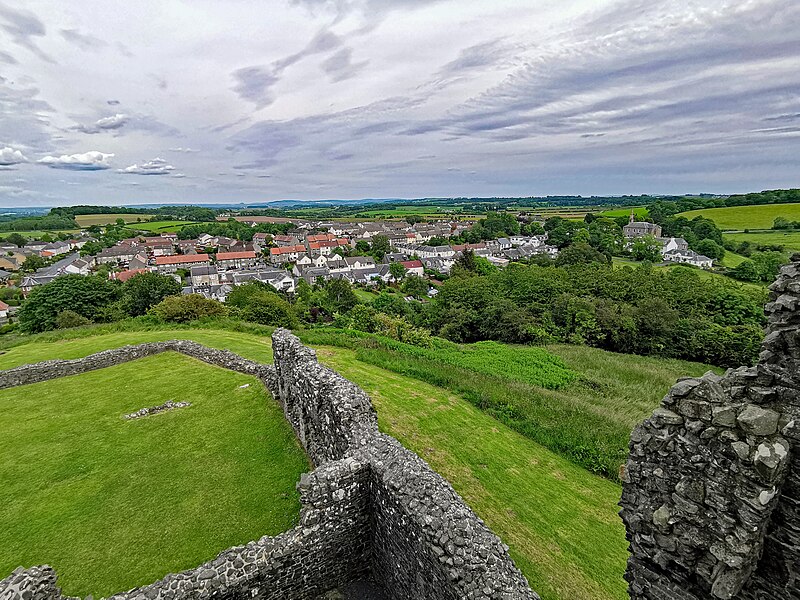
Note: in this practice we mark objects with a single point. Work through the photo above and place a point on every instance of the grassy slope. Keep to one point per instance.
(105, 219)
(747, 217)
(177, 488)
(559, 521)
(789, 240)
(160, 226)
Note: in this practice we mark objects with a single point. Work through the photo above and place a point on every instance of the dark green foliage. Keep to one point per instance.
(39, 223)
(380, 247)
(67, 319)
(182, 309)
(643, 310)
(17, 239)
(86, 296)
(33, 262)
(145, 290)
(580, 253)
(397, 271)
(339, 296)
(415, 286)
(259, 303)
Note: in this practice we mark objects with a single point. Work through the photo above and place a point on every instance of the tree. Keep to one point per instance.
(339, 296)
(17, 239)
(746, 271)
(67, 319)
(362, 246)
(268, 308)
(646, 248)
(182, 309)
(397, 271)
(781, 223)
(86, 296)
(145, 290)
(380, 247)
(415, 286)
(710, 248)
(581, 253)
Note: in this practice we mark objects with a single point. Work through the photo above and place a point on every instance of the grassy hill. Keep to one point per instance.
(157, 227)
(113, 504)
(737, 218)
(790, 240)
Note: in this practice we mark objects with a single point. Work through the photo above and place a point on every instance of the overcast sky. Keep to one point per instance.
(244, 101)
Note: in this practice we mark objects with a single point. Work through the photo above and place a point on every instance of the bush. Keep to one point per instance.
(67, 319)
(145, 290)
(182, 309)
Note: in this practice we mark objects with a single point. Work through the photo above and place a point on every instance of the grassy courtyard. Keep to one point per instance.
(112, 504)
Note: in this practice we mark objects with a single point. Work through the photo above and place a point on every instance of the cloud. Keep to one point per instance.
(339, 66)
(254, 84)
(481, 55)
(183, 150)
(23, 27)
(104, 124)
(10, 156)
(82, 40)
(157, 166)
(7, 58)
(88, 161)
(113, 102)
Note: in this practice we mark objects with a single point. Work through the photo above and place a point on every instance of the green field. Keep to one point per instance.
(160, 226)
(112, 504)
(737, 218)
(731, 259)
(38, 234)
(640, 212)
(790, 240)
(108, 219)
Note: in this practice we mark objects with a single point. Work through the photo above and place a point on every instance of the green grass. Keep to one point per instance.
(160, 226)
(790, 240)
(736, 218)
(731, 259)
(640, 212)
(588, 421)
(38, 234)
(112, 504)
(559, 521)
(108, 219)
(364, 296)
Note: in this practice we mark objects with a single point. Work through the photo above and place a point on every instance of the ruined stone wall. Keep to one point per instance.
(372, 509)
(711, 490)
(53, 369)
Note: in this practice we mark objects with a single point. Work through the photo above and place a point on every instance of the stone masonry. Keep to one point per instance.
(370, 510)
(711, 490)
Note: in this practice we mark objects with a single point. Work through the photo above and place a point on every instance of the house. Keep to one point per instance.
(261, 241)
(12, 261)
(285, 240)
(284, 254)
(689, 257)
(4, 277)
(35, 246)
(636, 229)
(124, 276)
(434, 251)
(159, 246)
(3, 310)
(670, 244)
(359, 262)
(48, 274)
(391, 257)
(311, 274)
(138, 262)
(204, 275)
(116, 255)
(55, 249)
(212, 292)
(414, 267)
(280, 279)
(236, 260)
(79, 266)
(170, 264)
(188, 246)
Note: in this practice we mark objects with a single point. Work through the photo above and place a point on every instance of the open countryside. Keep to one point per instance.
(739, 218)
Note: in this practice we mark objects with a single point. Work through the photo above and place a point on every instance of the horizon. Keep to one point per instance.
(305, 100)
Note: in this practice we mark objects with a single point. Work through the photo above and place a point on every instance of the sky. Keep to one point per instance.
(192, 101)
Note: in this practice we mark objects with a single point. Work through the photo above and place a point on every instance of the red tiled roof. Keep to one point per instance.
(235, 255)
(411, 264)
(3, 305)
(125, 275)
(287, 249)
(181, 258)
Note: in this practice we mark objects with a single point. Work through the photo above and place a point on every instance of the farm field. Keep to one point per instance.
(559, 520)
(737, 218)
(640, 212)
(160, 226)
(790, 240)
(106, 219)
(112, 504)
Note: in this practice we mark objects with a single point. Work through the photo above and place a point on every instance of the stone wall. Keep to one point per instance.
(711, 490)
(371, 509)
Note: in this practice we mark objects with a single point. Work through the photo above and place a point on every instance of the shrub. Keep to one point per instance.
(67, 319)
(182, 309)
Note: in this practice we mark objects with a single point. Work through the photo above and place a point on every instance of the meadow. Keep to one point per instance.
(559, 521)
(160, 226)
(790, 240)
(108, 219)
(35, 235)
(639, 212)
(112, 504)
(737, 218)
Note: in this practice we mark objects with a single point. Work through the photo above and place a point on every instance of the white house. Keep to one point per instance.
(689, 257)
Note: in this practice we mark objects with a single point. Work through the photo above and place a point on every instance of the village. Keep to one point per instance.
(213, 265)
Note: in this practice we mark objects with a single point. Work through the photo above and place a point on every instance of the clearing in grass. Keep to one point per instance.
(737, 218)
(112, 504)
